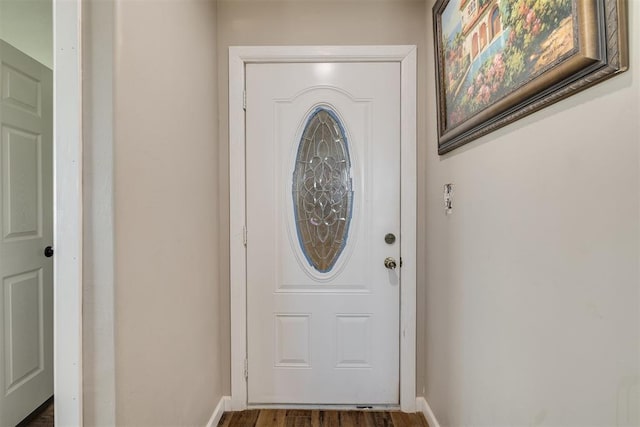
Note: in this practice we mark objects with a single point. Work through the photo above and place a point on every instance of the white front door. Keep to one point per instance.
(323, 192)
(26, 211)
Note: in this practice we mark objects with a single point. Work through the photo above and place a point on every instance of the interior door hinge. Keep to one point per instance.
(244, 236)
(246, 369)
(244, 100)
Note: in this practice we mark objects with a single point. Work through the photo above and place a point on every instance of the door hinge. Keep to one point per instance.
(246, 369)
(244, 236)
(244, 100)
(400, 262)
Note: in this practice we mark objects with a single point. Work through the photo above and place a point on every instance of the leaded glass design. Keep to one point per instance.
(322, 189)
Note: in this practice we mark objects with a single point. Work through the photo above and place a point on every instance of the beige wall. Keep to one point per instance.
(167, 302)
(532, 284)
(28, 26)
(341, 22)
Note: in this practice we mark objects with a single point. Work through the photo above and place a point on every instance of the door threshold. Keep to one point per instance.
(325, 407)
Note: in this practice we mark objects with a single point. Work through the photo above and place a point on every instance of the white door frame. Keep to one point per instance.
(67, 216)
(238, 58)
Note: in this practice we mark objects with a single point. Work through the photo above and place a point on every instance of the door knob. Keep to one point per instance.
(390, 263)
(48, 251)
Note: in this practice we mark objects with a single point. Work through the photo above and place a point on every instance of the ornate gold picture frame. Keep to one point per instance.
(500, 60)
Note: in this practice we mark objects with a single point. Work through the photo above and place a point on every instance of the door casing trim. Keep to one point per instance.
(239, 56)
(67, 212)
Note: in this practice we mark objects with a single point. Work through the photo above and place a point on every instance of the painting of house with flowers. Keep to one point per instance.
(492, 47)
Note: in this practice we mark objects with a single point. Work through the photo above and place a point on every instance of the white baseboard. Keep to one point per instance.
(223, 405)
(423, 406)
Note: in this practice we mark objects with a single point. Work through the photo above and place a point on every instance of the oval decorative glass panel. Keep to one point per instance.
(322, 189)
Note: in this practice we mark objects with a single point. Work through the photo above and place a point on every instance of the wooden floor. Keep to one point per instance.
(42, 417)
(316, 418)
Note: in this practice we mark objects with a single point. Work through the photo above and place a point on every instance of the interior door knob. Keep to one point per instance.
(48, 251)
(390, 263)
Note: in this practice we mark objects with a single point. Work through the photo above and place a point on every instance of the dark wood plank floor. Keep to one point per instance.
(317, 418)
(41, 417)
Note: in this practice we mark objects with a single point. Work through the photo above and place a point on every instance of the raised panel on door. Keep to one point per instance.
(22, 184)
(26, 224)
(23, 332)
(323, 311)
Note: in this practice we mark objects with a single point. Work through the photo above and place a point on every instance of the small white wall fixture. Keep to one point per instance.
(67, 217)
(238, 58)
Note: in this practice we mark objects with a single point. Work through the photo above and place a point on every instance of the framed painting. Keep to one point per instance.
(500, 60)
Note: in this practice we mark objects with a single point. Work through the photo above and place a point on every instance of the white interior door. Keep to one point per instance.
(323, 191)
(26, 209)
